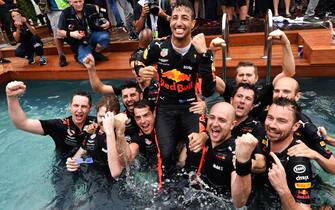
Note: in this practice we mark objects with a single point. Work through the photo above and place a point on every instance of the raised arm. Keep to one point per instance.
(241, 178)
(95, 82)
(288, 65)
(19, 118)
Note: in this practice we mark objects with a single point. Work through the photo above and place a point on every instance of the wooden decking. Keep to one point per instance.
(318, 59)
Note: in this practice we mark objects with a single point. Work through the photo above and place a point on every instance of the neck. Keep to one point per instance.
(181, 43)
(215, 144)
(279, 146)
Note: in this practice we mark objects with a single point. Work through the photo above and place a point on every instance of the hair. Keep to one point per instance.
(82, 93)
(246, 64)
(131, 84)
(292, 104)
(10, 14)
(187, 4)
(110, 102)
(247, 87)
(143, 104)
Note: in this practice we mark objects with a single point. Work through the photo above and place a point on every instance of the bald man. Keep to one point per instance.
(218, 170)
(312, 144)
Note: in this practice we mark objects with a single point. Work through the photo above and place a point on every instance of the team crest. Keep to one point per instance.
(164, 52)
(70, 27)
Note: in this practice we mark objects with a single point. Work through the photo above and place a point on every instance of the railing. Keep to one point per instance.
(225, 50)
(268, 44)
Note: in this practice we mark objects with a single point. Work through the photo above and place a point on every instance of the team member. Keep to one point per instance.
(67, 133)
(84, 28)
(246, 72)
(180, 60)
(218, 170)
(121, 152)
(290, 177)
(243, 100)
(94, 145)
(313, 145)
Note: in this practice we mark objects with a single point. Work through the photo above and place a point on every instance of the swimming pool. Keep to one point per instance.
(26, 160)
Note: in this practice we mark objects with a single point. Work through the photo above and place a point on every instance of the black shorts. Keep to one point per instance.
(233, 3)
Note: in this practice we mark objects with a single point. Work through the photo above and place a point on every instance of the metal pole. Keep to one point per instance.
(269, 27)
(224, 50)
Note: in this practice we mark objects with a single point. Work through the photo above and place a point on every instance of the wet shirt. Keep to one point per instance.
(96, 146)
(131, 126)
(250, 125)
(218, 166)
(298, 175)
(66, 135)
(178, 74)
(308, 133)
(147, 146)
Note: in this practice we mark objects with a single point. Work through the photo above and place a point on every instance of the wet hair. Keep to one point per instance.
(246, 64)
(187, 4)
(131, 84)
(247, 87)
(82, 93)
(143, 104)
(292, 104)
(110, 102)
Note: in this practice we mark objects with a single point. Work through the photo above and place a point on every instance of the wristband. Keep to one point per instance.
(243, 169)
(68, 34)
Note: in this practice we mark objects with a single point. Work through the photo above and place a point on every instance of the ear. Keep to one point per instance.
(193, 23)
(297, 96)
(296, 126)
(233, 124)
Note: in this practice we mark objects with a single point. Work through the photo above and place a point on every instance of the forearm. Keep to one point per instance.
(19, 117)
(288, 64)
(240, 189)
(288, 202)
(330, 140)
(61, 33)
(327, 164)
(17, 35)
(97, 84)
(258, 164)
(81, 152)
(114, 163)
(139, 24)
(31, 29)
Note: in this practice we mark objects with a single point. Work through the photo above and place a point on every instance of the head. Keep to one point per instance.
(243, 99)
(131, 93)
(173, 3)
(286, 87)
(282, 120)
(105, 104)
(182, 21)
(15, 15)
(246, 72)
(80, 107)
(144, 117)
(221, 120)
(77, 5)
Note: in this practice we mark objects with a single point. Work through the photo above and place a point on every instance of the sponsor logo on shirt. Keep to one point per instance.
(302, 178)
(303, 185)
(299, 169)
(164, 52)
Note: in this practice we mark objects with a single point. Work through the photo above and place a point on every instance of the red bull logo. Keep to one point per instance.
(176, 76)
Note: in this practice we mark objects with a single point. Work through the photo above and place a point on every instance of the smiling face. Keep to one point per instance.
(181, 23)
(280, 123)
(130, 97)
(286, 87)
(220, 122)
(145, 119)
(242, 101)
(80, 108)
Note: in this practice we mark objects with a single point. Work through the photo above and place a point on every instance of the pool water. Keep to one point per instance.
(27, 161)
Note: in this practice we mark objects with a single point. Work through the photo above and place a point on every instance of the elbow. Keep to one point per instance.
(240, 203)
(115, 171)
